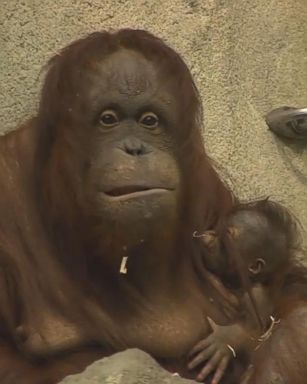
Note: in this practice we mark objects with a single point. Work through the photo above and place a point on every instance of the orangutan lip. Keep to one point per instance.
(129, 192)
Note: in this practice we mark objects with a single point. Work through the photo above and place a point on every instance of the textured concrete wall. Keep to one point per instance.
(247, 56)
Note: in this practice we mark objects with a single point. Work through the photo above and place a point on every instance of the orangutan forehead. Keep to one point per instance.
(126, 77)
(128, 72)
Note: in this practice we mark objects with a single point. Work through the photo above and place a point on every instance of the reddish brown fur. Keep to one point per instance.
(282, 358)
(46, 246)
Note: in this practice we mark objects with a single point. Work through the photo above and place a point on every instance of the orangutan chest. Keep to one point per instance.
(166, 333)
(169, 335)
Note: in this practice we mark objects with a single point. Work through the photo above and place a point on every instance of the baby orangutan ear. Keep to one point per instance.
(233, 232)
(209, 238)
(257, 267)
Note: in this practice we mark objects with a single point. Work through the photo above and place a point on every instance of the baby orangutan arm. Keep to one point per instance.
(217, 350)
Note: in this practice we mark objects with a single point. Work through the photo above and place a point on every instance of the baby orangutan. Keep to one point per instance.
(248, 257)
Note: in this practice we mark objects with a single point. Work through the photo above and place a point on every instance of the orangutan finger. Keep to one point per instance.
(201, 357)
(201, 345)
(210, 366)
(219, 373)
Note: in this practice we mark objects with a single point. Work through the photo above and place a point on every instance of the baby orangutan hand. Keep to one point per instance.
(214, 352)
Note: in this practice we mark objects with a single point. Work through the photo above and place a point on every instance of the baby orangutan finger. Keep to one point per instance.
(213, 325)
(201, 357)
(219, 373)
(210, 366)
(200, 346)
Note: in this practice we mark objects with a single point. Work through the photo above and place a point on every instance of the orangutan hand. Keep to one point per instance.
(214, 353)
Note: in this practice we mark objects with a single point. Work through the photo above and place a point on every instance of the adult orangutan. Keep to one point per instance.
(111, 176)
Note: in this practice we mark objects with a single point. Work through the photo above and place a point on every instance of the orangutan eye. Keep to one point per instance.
(108, 118)
(149, 120)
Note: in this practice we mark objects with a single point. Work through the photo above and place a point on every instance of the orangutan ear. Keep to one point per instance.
(233, 232)
(257, 267)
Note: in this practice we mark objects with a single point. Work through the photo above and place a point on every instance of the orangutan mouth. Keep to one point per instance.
(133, 191)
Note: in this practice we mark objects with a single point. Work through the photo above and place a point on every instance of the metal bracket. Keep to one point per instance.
(288, 122)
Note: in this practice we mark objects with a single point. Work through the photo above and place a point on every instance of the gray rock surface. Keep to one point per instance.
(130, 367)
